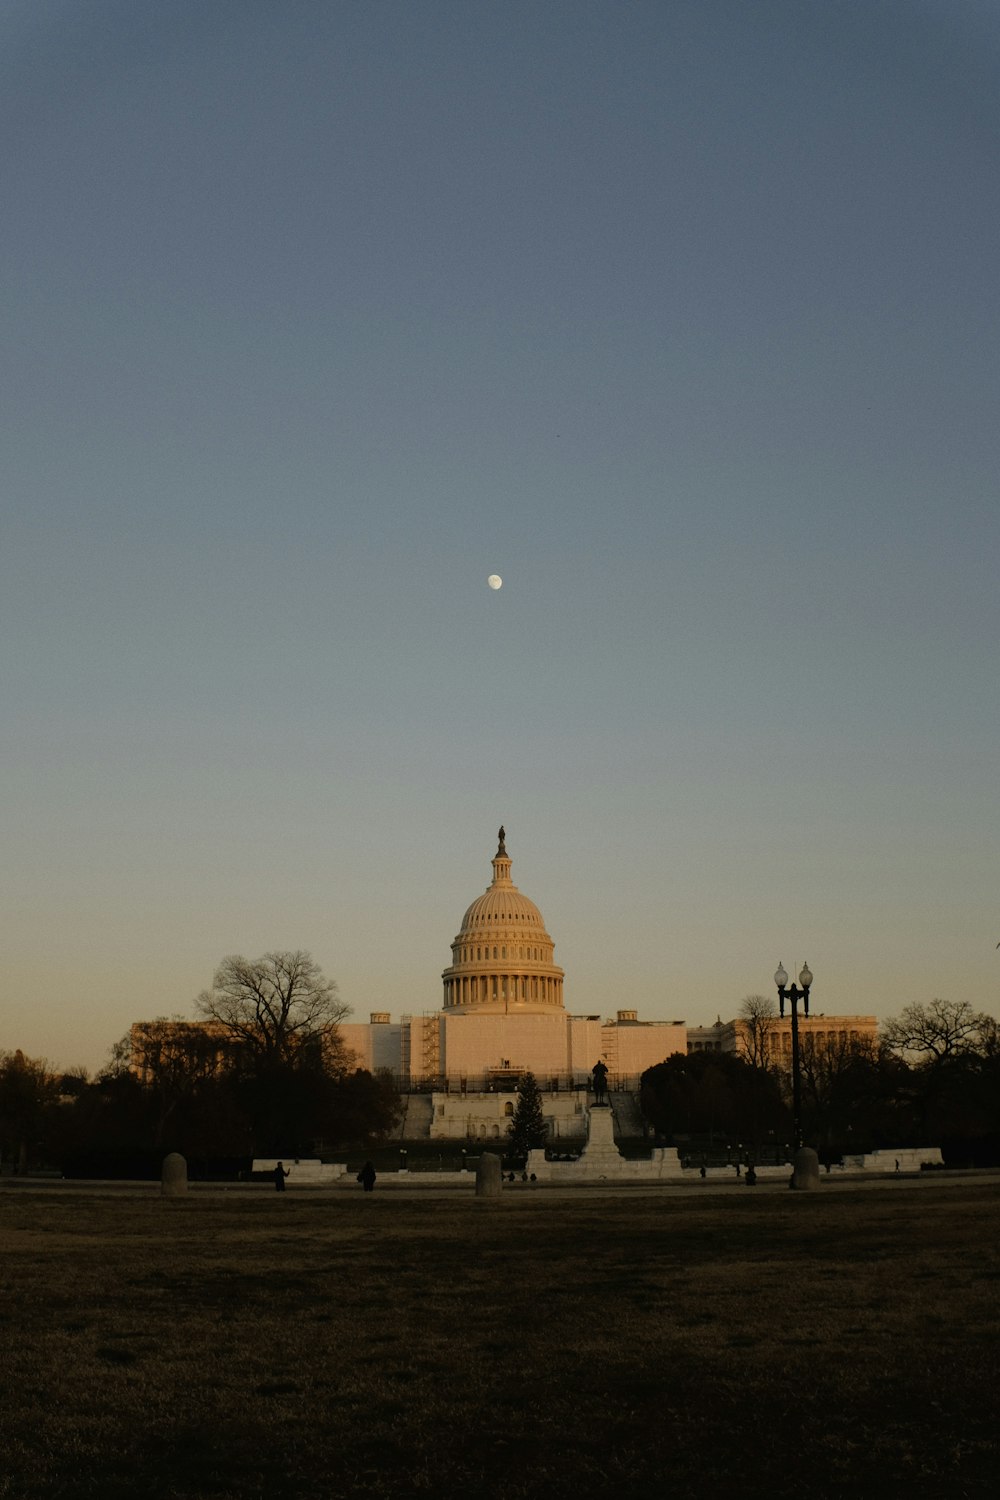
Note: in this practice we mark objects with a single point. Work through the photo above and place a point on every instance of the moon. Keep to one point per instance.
(495, 581)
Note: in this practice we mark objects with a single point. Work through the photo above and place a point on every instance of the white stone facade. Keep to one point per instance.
(484, 1117)
(474, 1051)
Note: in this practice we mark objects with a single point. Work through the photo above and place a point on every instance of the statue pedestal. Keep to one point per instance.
(600, 1152)
(601, 1161)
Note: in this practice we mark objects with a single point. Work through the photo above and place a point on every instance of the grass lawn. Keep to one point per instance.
(334, 1345)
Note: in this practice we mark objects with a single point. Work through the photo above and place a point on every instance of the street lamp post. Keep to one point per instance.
(805, 1162)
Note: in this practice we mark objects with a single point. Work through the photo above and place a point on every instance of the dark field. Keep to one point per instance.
(336, 1345)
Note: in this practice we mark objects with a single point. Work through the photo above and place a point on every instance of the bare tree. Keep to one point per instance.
(171, 1051)
(989, 1036)
(278, 1007)
(824, 1065)
(173, 1059)
(758, 1014)
(943, 1028)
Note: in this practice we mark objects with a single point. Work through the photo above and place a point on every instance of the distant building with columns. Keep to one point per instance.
(773, 1042)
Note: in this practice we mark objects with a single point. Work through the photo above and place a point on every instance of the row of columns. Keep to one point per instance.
(478, 989)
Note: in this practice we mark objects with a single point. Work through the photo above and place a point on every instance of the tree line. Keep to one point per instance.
(932, 1078)
(263, 1072)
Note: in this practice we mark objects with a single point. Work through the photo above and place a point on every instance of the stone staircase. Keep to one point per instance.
(417, 1118)
(627, 1114)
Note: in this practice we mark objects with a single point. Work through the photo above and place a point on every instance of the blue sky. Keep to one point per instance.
(683, 317)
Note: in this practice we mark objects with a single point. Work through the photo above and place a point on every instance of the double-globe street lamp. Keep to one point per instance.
(805, 1162)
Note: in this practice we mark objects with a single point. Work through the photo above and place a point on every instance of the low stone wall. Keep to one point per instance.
(661, 1165)
(898, 1159)
(307, 1172)
(902, 1159)
(601, 1161)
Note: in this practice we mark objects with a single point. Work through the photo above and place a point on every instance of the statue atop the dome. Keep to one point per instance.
(501, 836)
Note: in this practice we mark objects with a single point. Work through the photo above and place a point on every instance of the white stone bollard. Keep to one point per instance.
(173, 1176)
(488, 1176)
(805, 1168)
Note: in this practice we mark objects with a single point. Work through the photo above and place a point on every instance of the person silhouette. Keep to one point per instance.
(279, 1174)
(366, 1177)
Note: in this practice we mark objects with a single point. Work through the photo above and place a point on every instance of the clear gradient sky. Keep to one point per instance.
(681, 316)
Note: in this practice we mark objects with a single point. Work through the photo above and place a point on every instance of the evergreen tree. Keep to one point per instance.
(527, 1128)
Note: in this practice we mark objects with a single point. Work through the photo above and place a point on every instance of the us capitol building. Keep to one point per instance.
(503, 1014)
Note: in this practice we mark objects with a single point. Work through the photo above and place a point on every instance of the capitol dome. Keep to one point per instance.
(502, 956)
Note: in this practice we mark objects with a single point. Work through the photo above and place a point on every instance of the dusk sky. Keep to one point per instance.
(684, 317)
